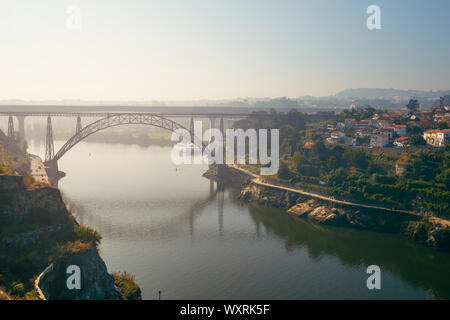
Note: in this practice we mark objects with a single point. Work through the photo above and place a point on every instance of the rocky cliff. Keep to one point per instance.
(96, 282)
(34, 225)
(19, 204)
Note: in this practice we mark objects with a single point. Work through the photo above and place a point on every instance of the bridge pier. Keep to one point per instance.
(191, 128)
(10, 127)
(79, 126)
(221, 126)
(21, 120)
(53, 173)
(212, 126)
(49, 146)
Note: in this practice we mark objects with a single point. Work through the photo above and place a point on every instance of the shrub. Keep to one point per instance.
(18, 289)
(87, 234)
(127, 284)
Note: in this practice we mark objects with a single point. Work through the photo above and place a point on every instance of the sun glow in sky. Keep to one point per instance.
(196, 49)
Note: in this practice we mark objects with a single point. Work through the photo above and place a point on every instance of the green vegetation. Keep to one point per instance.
(421, 231)
(413, 105)
(80, 239)
(127, 284)
(359, 174)
(87, 234)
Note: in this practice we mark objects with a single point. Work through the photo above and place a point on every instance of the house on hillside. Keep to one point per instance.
(437, 138)
(401, 142)
(307, 148)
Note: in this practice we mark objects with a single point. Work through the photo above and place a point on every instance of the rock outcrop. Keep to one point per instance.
(318, 213)
(96, 282)
(19, 203)
(40, 214)
(268, 196)
(429, 232)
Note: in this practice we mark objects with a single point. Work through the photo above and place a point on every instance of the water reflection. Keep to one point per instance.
(177, 231)
(417, 264)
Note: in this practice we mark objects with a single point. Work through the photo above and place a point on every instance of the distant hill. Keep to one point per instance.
(394, 94)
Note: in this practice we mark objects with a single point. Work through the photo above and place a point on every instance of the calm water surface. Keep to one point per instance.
(169, 227)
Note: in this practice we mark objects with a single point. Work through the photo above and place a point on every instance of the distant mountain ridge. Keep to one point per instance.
(395, 94)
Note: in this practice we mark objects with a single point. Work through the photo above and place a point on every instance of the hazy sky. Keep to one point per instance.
(199, 49)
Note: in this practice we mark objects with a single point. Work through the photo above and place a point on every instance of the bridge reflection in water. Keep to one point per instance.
(353, 248)
(217, 191)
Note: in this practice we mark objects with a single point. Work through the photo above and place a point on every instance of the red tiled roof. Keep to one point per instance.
(402, 139)
(309, 145)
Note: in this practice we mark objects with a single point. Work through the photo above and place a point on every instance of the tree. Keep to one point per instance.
(283, 171)
(332, 162)
(417, 140)
(357, 158)
(320, 150)
(414, 130)
(413, 105)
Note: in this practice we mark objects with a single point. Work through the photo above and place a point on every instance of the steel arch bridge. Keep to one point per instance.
(112, 120)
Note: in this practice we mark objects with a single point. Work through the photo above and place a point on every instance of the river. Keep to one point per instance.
(169, 227)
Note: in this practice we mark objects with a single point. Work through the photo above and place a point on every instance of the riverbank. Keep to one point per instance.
(37, 230)
(433, 231)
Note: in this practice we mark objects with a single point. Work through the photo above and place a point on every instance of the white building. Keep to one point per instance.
(437, 138)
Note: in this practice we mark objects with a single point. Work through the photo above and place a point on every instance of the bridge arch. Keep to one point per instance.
(123, 119)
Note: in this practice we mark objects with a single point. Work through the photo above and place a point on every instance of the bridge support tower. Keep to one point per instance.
(212, 126)
(79, 126)
(49, 146)
(191, 128)
(21, 120)
(10, 127)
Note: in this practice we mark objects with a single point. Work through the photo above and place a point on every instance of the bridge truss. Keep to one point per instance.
(112, 120)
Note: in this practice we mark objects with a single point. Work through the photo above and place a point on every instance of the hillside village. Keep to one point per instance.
(367, 127)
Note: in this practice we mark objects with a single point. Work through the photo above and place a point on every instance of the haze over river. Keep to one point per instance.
(164, 224)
